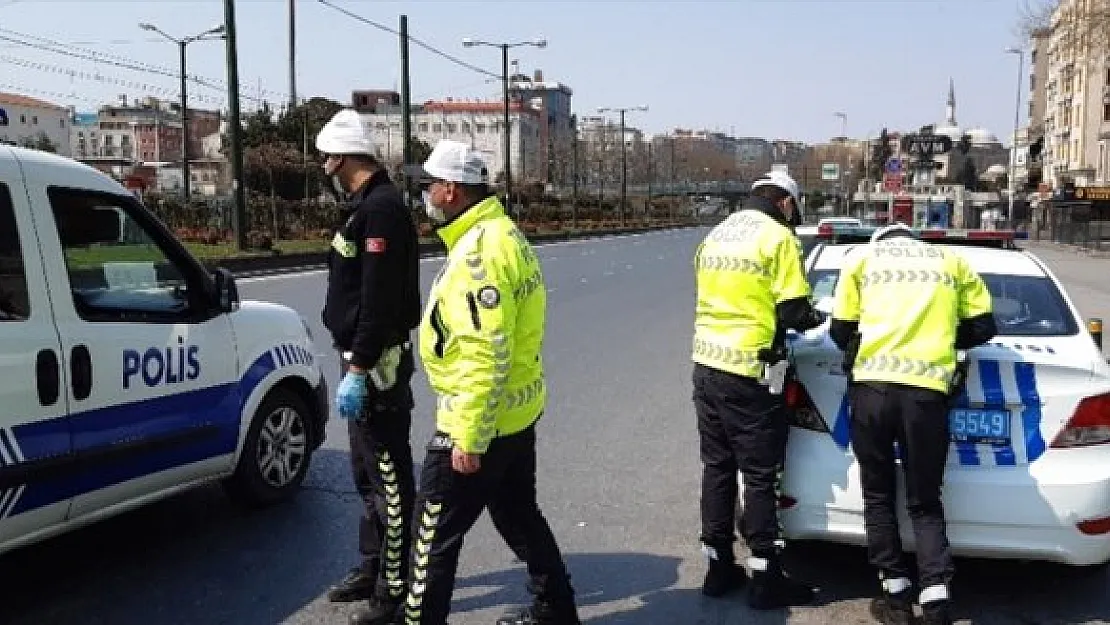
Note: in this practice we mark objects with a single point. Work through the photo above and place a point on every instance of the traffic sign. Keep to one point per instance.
(830, 171)
(893, 166)
(926, 146)
(892, 182)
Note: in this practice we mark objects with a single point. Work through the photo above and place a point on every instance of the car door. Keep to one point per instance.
(153, 392)
(34, 432)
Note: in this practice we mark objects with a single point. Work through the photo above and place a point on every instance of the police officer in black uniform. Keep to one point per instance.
(373, 303)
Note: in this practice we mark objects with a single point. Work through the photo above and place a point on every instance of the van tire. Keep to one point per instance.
(280, 423)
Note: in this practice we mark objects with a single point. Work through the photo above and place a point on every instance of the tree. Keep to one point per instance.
(969, 175)
(881, 152)
(41, 141)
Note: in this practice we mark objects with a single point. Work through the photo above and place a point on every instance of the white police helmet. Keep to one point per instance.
(893, 230)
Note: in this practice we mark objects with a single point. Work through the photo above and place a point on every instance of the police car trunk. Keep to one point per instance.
(1028, 472)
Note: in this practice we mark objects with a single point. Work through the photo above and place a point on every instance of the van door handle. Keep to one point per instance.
(47, 378)
(80, 369)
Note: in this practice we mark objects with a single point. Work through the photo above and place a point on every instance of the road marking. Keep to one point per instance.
(607, 273)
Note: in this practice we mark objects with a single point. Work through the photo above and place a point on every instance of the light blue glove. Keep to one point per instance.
(350, 397)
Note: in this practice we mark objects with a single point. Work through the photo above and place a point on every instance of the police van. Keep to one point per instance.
(128, 371)
(1028, 473)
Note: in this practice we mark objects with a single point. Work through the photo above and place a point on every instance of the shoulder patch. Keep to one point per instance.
(489, 296)
(375, 245)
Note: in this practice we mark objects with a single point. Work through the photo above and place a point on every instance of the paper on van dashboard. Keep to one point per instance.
(130, 275)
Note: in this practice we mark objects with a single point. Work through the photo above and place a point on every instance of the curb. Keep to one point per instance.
(308, 261)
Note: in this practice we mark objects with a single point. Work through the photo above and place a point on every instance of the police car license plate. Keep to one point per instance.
(974, 425)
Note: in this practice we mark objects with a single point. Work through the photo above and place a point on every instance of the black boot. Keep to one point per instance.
(544, 612)
(936, 613)
(357, 585)
(772, 588)
(724, 575)
(894, 608)
(378, 611)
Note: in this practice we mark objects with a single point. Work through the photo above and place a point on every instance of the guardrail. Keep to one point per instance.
(1074, 223)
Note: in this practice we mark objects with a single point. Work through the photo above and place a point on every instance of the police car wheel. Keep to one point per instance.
(276, 452)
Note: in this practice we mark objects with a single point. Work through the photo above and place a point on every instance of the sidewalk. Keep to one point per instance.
(1086, 277)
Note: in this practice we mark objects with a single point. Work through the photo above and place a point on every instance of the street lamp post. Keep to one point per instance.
(1013, 144)
(538, 43)
(624, 158)
(211, 33)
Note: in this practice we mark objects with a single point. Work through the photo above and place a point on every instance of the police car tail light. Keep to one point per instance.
(800, 409)
(1090, 425)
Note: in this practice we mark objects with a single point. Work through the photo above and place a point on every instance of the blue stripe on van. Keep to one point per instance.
(1026, 375)
(842, 427)
(139, 420)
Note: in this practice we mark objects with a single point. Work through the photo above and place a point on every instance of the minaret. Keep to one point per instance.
(950, 109)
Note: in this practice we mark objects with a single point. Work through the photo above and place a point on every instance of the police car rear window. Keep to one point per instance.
(1023, 305)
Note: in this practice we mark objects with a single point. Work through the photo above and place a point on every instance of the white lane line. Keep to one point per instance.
(607, 273)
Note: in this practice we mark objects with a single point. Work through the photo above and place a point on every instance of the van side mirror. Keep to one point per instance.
(227, 293)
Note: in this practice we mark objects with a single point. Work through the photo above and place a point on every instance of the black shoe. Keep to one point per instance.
(356, 586)
(894, 609)
(722, 578)
(936, 613)
(379, 611)
(772, 588)
(544, 613)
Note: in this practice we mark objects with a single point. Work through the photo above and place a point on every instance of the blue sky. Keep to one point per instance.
(771, 68)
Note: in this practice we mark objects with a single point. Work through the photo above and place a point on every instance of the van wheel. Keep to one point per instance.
(276, 453)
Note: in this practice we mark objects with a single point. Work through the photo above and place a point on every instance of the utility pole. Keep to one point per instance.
(184, 127)
(574, 181)
(624, 158)
(651, 178)
(406, 111)
(235, 127)
(292, 54)
(674, 182)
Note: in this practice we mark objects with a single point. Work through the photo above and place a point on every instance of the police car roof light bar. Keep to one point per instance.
(847, 233)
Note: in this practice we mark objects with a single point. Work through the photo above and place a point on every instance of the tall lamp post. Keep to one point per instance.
(538, 43)
(212, 33)
(624, 158)
(1013, 144)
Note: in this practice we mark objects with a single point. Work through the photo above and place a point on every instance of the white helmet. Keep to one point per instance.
(345, 134)
(898, 229)
(783, 181)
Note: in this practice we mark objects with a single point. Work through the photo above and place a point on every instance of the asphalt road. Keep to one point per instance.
(619, 483)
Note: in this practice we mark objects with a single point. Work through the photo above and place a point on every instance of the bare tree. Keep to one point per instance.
(1080, 30)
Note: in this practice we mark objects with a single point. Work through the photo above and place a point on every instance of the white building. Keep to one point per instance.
(24, 120)
(480, 124)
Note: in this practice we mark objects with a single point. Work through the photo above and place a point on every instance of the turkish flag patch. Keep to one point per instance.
(375, 245)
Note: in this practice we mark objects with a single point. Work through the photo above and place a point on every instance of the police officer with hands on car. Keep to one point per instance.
(902, 309)
(372, 305)
(751, 289)
(480, 343)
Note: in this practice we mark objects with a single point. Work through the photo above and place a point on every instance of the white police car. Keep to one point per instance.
(1028, 475)
(129, 372)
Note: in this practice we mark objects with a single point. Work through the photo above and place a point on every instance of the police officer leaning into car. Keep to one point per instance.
(750, 290)
(373, 303)
(902, 309)
(480, 343)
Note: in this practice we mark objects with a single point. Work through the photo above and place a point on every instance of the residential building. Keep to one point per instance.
(753, 157)
(1076, 95)
(26, 121)
(552, 101)
(478, 123)
(1028, 169)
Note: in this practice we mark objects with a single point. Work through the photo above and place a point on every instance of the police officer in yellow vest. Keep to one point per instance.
(480, 343)
(902, 309)
(750, 289)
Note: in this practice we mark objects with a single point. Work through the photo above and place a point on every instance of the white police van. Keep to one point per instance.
(1028, 474)
(129, 372)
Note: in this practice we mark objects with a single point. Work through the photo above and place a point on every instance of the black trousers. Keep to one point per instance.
(382, 466)
(449, 503)
(742, 427)
(917, 420)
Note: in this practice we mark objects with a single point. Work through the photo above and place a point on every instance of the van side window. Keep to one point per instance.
(117, 270)
(15, 304)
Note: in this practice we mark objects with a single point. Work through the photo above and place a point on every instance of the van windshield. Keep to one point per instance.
(1023, 305)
